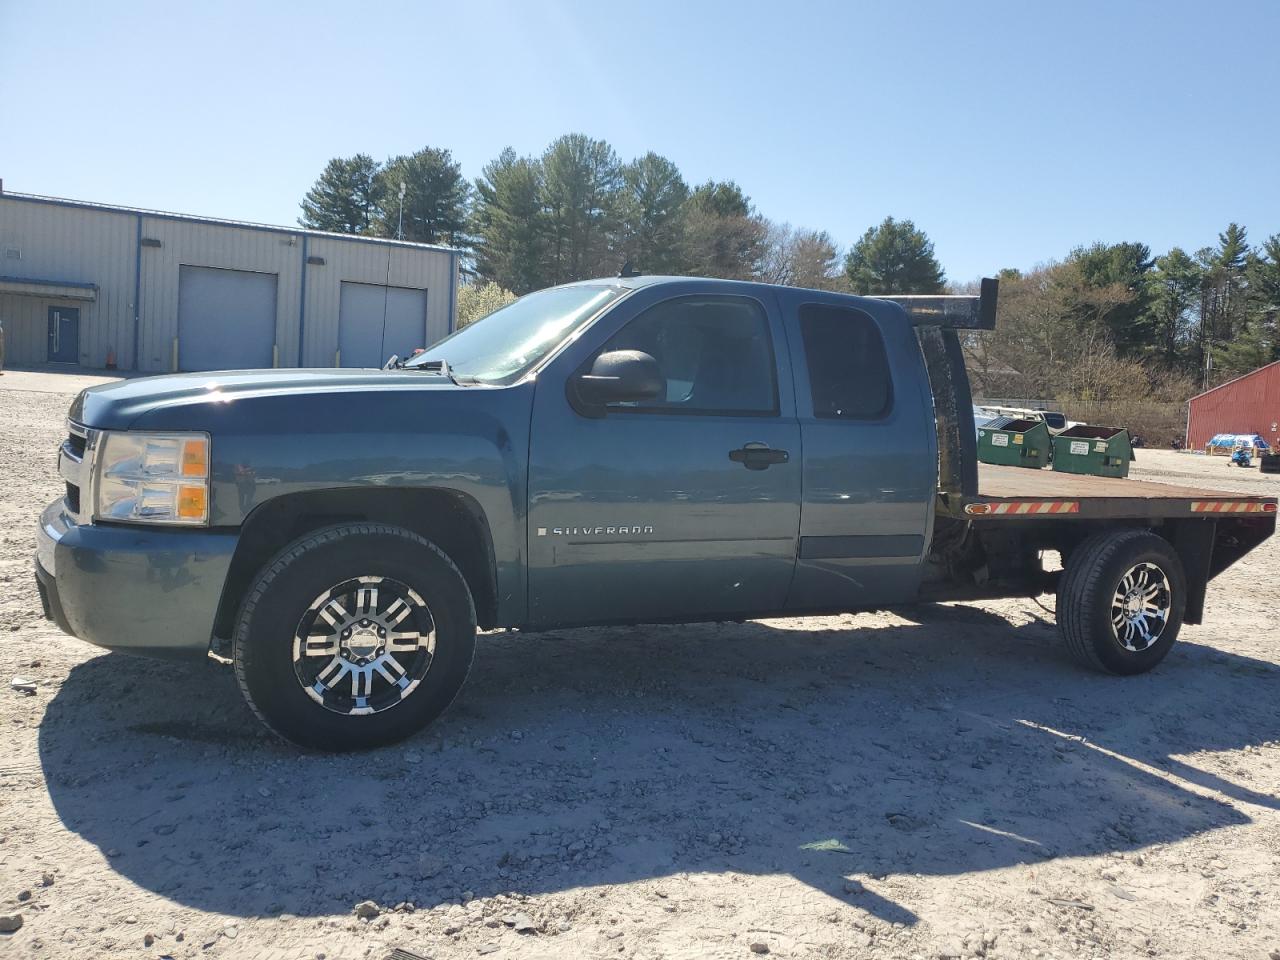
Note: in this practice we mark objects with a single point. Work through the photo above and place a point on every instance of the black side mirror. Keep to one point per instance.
(620, 376)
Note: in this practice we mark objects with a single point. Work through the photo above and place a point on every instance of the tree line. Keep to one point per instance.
(1108, 321)
(578, 211)
(1113, 321)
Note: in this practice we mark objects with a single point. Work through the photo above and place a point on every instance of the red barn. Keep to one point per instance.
(1248, 404)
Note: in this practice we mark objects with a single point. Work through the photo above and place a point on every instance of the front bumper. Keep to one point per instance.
(143, 590)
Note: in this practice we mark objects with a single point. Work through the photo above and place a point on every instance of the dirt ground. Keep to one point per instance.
(922, 783)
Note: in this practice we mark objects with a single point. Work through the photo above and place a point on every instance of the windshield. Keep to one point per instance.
(503, 346)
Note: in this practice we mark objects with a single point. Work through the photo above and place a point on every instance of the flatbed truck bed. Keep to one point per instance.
(1016, 514)
(1018, 493)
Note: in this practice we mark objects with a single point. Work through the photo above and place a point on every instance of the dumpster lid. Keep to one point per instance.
(1012, 424)
(1088, 431)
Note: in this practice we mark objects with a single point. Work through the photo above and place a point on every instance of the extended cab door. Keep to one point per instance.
(870, 452)
(683, 507)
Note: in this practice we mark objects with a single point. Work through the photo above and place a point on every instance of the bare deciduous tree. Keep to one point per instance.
(799, 258)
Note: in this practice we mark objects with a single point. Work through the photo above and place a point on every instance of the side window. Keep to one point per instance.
(848, 368)
(715, 353)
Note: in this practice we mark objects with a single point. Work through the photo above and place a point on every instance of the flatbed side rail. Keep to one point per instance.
(1115, 508)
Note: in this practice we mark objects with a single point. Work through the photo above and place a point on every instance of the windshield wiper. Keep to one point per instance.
(440, 367)
(433, 366)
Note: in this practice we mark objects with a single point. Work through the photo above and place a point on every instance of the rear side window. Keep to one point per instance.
(714, 352)
(848, 368)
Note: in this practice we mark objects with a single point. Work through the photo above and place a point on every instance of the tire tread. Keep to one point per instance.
(242, 650)
(1078, 591)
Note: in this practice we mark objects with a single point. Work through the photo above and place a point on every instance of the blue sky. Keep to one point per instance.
(1010, 132)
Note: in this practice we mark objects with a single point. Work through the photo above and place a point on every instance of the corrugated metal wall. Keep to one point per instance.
(213, 245)
(376, 321)
(370, 263)
(1250, 404)
(65, 241)
(47, 242)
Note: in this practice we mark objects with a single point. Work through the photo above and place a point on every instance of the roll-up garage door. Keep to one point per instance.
(376, 321)
(226, 318)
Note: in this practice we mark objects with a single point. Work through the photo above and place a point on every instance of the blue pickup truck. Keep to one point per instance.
(623, 450)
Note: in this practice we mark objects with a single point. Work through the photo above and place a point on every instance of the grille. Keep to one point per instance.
(76, 444)
(74, 451)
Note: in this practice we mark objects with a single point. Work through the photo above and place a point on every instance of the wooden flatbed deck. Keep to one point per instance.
(1020, 493)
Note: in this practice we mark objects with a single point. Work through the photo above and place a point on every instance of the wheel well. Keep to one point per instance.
(451, 520)
(1192, 540)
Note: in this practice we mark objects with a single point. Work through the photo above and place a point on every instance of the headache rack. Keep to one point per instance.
(936, 319)
(952, 312)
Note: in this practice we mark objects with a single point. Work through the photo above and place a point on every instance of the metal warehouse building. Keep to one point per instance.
(1248, 404)
(92, 284)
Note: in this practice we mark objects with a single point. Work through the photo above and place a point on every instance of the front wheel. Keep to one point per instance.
(1121, 600)
(354, 636)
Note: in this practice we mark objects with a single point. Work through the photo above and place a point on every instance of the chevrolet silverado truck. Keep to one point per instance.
(624, 450)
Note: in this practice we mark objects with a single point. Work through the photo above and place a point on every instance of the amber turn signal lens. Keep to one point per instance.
(193, 503)
(195, 459)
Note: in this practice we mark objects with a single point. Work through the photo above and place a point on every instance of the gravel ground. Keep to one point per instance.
(921, 783)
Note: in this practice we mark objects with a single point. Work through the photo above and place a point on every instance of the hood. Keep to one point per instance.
(116, 406)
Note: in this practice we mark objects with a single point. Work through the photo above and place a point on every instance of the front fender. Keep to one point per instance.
(474, 441)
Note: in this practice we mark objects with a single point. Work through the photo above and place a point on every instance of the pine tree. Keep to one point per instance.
(1119, 269)
(894, 257)
(1222, 297)
(435, 200)
(722, 198)
(1258, 342)
(723, 236)
(346, 197)
(651, 213)
(1263, 274)
(509, 224)
(581, 181)
(1174, 291)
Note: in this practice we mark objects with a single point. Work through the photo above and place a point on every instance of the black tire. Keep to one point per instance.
(1089, 586)
(288, 589)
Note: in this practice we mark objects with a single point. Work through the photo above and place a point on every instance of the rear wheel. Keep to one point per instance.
(354, 636)
(1121, 600)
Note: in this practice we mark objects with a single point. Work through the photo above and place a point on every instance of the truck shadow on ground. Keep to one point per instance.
(952, 744)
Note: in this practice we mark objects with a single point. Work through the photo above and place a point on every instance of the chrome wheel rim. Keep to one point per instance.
(1140, 607)
(364, 645)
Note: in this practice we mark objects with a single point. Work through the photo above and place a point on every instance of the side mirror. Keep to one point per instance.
(620, 376)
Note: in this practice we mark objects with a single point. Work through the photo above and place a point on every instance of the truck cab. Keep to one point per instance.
(786, 462)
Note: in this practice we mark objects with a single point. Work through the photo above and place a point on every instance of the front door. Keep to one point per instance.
(684, 507)
(64, 335)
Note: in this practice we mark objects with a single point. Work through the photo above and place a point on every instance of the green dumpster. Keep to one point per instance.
(1014, 441)
(1099, 451)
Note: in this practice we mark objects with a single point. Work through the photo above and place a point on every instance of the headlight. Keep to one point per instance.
(153, 478)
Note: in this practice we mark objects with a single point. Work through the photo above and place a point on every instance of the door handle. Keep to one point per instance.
(758, 456)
